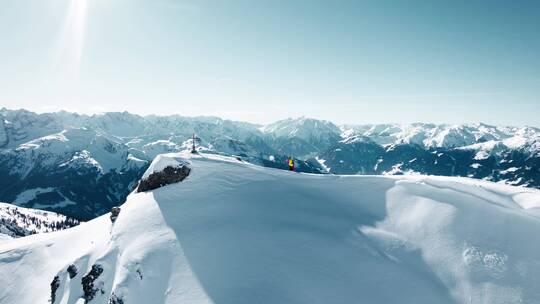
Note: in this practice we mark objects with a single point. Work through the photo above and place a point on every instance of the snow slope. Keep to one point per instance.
(237, 233)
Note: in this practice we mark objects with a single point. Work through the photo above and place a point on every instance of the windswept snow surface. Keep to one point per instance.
(237, 233)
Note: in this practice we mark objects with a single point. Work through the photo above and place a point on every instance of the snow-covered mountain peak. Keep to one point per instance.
(433, 136)
(111, 150)
(85, 146)
(20, 126)
(302, 136)
(301, 127)
(233, 232)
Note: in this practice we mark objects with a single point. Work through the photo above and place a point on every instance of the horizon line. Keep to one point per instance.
(101, 113)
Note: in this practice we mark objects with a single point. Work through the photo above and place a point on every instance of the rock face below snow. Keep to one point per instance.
(54, 287)
(238, 233)
(88, 283)
(169, 175)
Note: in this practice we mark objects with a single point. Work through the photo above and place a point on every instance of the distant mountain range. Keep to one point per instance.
(82, 165)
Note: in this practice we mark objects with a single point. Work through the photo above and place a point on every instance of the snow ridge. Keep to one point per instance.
(71, 154)
(234, 232)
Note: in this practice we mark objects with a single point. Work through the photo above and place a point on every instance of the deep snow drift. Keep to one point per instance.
(232, 232)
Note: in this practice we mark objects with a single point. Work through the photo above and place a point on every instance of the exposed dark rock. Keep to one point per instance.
(115, 299)
(54, 286)
(88, 283)
(167, 176)
(115, 211)
(72, 271)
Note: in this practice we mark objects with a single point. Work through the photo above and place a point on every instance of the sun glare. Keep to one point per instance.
(78, 23)
(70, 50)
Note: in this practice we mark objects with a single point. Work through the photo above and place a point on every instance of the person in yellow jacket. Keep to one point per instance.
(291, 164)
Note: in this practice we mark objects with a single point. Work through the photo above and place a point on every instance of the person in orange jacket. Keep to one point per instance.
(291, 164)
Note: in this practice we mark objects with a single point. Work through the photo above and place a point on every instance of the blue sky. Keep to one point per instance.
(345, 61)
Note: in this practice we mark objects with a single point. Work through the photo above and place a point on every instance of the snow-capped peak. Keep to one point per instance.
(301, 127)
(232, 232)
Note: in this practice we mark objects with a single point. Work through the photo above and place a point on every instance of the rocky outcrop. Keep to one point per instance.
(115, 211)
(54, 286)
(169, 175)
(116, 299)
(88, 283)
(72, 271)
